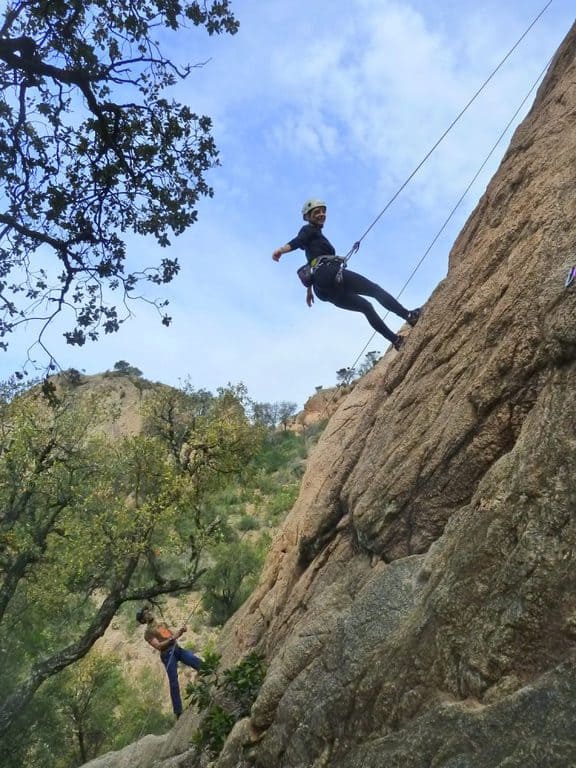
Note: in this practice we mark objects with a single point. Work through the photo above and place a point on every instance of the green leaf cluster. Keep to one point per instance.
(232, 577)
(252, 510)
(91, 526)
(224, 697)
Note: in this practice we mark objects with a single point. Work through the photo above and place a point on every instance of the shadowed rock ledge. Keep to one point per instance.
(418, 607)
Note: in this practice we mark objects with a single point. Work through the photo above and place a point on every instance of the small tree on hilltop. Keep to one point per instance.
(369, 362)
(122, 368)
(345, 376)
(286, 411)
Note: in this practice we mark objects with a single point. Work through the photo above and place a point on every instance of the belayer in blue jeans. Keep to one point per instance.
(333, 282)
(162, 639)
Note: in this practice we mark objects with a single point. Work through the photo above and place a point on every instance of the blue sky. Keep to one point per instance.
(307, 102)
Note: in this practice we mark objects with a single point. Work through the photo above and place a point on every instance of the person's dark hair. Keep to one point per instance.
(140, 614)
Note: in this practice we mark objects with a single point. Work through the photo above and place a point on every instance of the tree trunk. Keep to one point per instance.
(16, 702)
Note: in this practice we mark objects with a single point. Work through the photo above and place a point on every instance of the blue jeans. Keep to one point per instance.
(170, 659)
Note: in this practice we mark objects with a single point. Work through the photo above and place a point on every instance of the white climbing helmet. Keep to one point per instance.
(309, 205)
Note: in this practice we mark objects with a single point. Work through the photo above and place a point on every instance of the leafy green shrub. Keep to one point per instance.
(279, 448)
(245, 680)
(228, 498)
(223, 697)
(89, 709)
(266, 483)
(248, 523)
(282, 501)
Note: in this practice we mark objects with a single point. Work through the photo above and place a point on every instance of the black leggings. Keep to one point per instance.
(348, 295)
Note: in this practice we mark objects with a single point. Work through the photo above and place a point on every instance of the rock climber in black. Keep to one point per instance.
(333, 282)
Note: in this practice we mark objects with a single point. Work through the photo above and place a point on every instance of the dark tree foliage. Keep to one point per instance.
(122, 368)
(93, 150)
(345, 376)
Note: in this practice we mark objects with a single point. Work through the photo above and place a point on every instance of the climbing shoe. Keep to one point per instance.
(399, 343)
(413, 317)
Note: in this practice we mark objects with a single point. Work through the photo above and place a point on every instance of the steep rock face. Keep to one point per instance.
(418, 608)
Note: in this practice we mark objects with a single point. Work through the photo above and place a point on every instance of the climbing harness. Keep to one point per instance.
(571, 277)
(173, 646)
(306, 271)
(340, 274)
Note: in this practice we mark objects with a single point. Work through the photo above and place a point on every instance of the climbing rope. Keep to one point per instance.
(356, 245)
